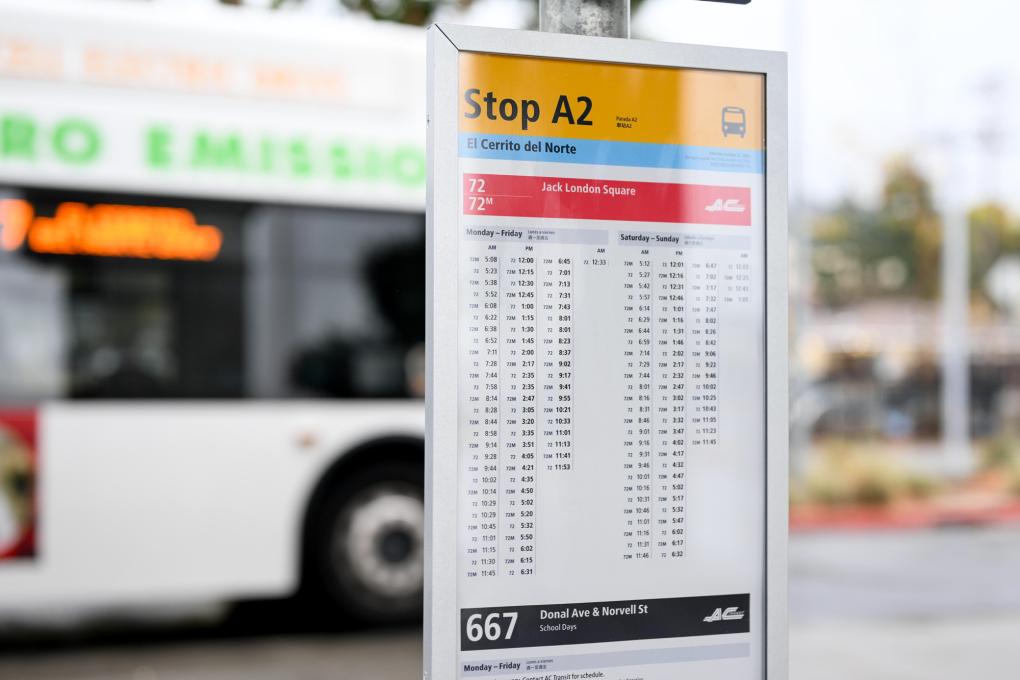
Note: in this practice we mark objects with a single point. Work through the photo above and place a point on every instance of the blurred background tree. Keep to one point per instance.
(994, 242)
(893, 250)
(414, 12)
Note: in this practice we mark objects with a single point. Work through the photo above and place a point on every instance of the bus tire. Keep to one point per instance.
(366, 552)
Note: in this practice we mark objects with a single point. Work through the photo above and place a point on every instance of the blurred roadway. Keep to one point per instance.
(962, 571)
(356, 656)
(925, 605)
(895, 606)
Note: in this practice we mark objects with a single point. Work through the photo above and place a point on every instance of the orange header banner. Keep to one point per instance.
(611, 102)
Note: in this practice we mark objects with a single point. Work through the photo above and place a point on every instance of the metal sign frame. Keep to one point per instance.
(445, 43)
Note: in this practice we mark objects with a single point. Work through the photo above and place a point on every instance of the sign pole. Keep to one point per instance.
(605, 18)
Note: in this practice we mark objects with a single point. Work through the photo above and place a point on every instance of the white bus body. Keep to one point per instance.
(139, 501)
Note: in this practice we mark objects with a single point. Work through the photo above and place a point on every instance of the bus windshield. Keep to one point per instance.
(126, 297)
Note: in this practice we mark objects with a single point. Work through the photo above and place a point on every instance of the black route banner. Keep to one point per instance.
(590, 622)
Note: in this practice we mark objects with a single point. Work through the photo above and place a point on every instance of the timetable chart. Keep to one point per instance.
(529, 290)
(517, 368)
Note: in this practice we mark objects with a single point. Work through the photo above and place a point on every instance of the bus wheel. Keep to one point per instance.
(368, 552)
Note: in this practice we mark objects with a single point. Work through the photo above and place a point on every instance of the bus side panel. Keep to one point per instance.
(173, 501)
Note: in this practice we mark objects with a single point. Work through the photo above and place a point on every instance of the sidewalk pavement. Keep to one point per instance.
(962, 648)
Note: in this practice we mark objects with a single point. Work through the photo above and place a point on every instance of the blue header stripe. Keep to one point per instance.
(598, 152)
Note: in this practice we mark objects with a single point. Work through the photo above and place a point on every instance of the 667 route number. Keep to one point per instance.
(492, 627)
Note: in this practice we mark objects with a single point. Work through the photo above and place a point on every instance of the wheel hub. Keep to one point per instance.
(383, 542)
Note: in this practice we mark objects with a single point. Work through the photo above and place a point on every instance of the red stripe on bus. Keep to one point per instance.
(23, 424)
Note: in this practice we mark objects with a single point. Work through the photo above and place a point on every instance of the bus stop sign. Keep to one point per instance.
(607, 401)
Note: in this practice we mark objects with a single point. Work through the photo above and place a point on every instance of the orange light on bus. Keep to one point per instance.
(15, 219)
(108, 230)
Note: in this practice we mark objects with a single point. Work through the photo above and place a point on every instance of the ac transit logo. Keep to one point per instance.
(730, 205)
(728, 614)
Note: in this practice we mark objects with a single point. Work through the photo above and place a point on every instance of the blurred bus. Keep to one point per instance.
(211, 307)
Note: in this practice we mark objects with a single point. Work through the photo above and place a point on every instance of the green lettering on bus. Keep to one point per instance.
(157, 147)
(300, 159)
(217, 152)
(409, 166)
(267, 156)
(76, 141)
(17, 137)
(340, 156)
(372, 168)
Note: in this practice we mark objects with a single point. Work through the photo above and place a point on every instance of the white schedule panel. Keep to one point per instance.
(610, 384)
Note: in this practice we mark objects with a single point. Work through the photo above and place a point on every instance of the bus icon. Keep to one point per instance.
(734, 121)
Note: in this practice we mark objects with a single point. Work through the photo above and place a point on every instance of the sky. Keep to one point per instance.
(874, 79)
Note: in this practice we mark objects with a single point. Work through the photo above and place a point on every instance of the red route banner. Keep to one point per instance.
(599, 199)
